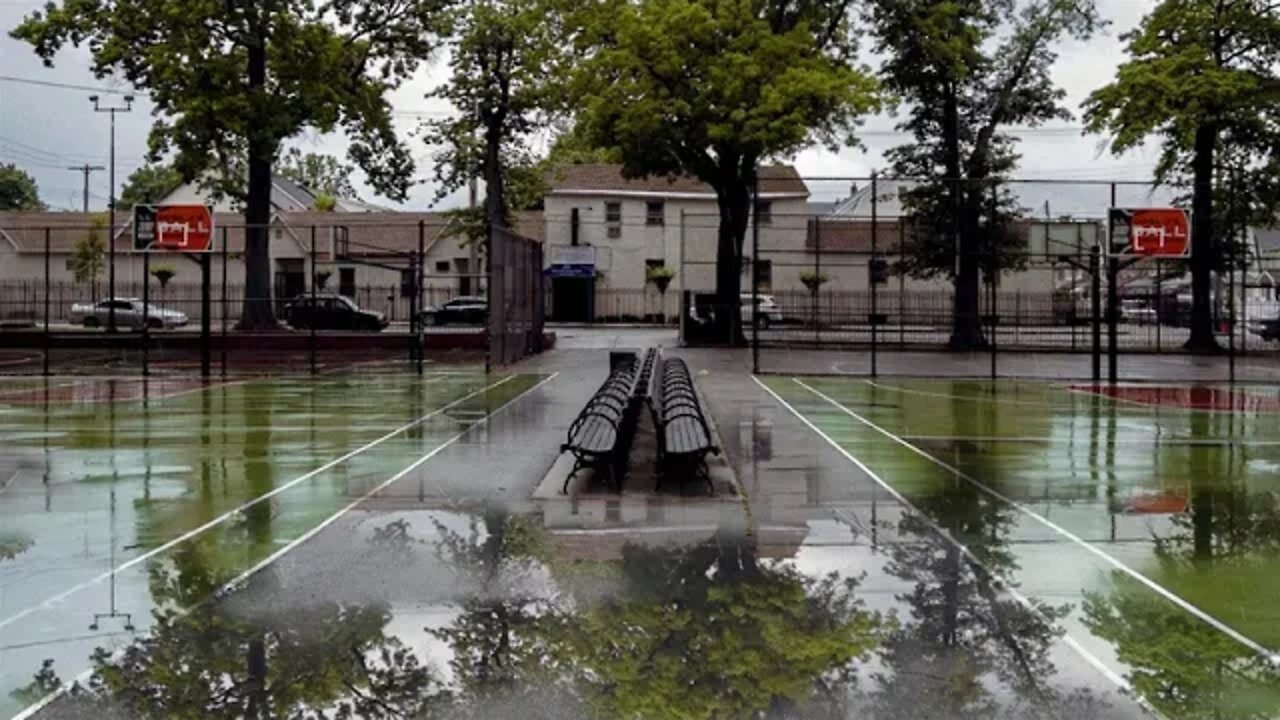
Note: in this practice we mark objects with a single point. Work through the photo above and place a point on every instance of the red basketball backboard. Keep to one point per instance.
(173, 228)
(1151, 232)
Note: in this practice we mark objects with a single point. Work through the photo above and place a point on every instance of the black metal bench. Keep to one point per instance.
(600, 437)
(684, 437)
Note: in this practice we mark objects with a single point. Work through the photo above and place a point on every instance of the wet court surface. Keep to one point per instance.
(370, 545)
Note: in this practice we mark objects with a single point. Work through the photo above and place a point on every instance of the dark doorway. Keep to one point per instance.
(571, 299)
(347, 282)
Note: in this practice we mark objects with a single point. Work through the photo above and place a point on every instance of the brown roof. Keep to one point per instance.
(396, 232)
(774, 179)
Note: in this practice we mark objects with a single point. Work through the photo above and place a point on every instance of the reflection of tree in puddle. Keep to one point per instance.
(12, 545)
(706, 631)
(967, 648)
(220, 659)
(1223, 556)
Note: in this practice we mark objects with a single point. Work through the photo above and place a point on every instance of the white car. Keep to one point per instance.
(129, 312)
(770, 312)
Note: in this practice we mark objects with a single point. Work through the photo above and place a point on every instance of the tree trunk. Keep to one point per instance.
(966, 326)
(495, 201)
(258, 312)
(1202, 242)
(734, 200)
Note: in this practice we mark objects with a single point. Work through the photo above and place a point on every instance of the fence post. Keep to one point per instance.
(817, 280)
(872, 272)
(313, 310)
(146, 313)
(993, 274)
(902, 281)
(45, 361)
(755, 276)
(223, 342)
(1095, 308)
(419, 281)
(206, 327)
(1113, 303)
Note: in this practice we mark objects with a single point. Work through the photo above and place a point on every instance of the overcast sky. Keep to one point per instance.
(46, 129)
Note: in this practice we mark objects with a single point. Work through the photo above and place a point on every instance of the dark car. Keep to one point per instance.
(331, 312)
(464, 310)
(1268, 330)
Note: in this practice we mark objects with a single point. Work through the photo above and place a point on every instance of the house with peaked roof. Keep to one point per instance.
(287, 196)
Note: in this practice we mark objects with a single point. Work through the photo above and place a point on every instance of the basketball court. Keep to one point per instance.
(1147, 512)
(105, 481)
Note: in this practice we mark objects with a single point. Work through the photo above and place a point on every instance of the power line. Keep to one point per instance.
(70, 86)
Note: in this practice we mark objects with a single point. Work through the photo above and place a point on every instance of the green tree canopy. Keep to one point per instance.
(149, 184)
(1202, 77)
(18, 189)
(319, 173)
(232, 81)
(967, 69)
(713, 88)
(504, 54)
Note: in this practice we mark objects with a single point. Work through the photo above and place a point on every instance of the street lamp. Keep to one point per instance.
(111, 203)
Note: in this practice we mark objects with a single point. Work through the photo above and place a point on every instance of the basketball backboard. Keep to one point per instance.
(172, 228)
(1150, 232)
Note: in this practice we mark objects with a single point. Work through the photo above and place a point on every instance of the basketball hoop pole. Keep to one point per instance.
(1113, 303)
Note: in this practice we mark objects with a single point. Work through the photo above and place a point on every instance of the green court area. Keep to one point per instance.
(1144, 520)
(105, 482)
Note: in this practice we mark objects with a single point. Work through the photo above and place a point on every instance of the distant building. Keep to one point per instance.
(604, 232)
(287, 196)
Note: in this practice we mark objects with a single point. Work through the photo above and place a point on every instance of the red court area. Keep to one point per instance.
(98, 390)
(1188, 397)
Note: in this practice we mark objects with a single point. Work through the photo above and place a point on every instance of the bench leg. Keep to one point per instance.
(577, 465)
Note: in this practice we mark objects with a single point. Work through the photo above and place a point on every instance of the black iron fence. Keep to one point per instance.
(1048, 267)
(380, 294)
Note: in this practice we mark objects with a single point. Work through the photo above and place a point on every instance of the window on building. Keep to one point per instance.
(764, 212)
(613, 219)
(655, 213)
(442, 266)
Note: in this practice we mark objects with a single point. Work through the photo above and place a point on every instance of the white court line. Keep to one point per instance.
(1092, 391)
(1008, 587)
(971, 398)
(236, 582)
(1160, 440)
(236, 511)
(1270, 656)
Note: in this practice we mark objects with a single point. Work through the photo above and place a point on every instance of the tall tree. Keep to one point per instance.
(1201, 76)
(149, 184)
(18, 189)
(503, 56)
(713, 88)
(319, 173)
(968, 69)
(232, 81)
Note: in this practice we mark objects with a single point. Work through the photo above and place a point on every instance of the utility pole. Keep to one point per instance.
(86, 169)
(111, 203)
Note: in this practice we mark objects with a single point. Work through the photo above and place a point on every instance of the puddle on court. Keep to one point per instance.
(823, 606)
(428, 613)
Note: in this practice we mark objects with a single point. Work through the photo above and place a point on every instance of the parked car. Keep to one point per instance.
(770, 312)
(1268, 330)
(331, 312)
(463, 310)
(129, 312)
(1138, 312)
